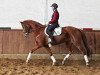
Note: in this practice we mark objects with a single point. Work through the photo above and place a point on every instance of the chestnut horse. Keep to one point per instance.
(70, 36)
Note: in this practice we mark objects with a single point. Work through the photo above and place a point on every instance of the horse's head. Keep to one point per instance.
(31, 26)
(26, 28)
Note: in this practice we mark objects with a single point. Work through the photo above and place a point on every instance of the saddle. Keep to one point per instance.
(57, 31)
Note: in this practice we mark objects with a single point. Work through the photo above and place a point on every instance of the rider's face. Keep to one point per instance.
(53, 8)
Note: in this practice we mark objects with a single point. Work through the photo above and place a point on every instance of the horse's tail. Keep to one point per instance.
(89, 51)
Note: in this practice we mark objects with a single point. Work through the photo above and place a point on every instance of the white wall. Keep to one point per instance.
(13, 11)
(77, 13)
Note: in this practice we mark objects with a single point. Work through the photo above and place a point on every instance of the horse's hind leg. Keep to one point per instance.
(66, 57)
(83, 51)
(70, 51)
(85, 56)
(86, 60)
(50, 53)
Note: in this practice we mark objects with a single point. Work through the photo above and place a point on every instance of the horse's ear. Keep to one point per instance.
(21, 22)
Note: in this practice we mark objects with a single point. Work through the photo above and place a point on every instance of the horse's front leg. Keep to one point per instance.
(31, 51)
(51, 55)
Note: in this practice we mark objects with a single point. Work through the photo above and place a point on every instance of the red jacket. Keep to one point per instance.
(55, 18)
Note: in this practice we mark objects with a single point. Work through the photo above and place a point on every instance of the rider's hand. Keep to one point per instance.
(46, 23)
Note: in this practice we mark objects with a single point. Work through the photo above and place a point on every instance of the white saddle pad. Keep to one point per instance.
(57, 31)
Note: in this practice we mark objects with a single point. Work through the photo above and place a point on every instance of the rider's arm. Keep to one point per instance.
(54, 18)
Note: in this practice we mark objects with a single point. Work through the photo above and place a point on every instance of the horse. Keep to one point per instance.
(70, 36)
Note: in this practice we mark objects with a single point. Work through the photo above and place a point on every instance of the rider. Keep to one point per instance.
(53, 23)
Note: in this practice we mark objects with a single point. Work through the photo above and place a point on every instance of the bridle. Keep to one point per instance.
(29, 30)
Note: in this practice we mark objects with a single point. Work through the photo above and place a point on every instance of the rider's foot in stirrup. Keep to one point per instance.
(52, 42)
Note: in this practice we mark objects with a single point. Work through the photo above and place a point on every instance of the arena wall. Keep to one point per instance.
(14, 42)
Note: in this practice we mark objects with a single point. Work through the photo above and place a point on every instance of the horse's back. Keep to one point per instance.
(72, 30)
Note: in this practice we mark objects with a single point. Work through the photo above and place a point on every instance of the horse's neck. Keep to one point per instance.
(40, 27)
(38, 30)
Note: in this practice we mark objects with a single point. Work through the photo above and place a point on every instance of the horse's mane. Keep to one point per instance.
(34, 22)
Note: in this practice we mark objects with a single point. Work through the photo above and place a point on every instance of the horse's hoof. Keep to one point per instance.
(63, 62)
(54, 63)
(26, 62)
(88, 65)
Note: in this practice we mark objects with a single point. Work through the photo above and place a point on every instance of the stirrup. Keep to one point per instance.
(49, 44)
(52, 42)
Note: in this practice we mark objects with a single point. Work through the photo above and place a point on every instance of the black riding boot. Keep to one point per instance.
(52, 40)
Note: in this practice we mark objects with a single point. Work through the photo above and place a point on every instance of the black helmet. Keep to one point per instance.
(54, 5)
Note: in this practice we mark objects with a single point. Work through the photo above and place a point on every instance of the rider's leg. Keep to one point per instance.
(49, 31)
